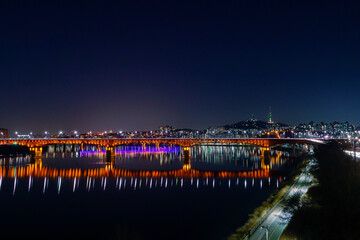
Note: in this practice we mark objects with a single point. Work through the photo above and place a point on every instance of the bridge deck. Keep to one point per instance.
(185, 142)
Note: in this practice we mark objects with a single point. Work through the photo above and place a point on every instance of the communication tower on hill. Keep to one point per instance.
(270, 120)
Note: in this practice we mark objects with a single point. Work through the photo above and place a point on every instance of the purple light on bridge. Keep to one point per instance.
(134, 151)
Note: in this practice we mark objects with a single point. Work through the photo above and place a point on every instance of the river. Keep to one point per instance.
(145, 193)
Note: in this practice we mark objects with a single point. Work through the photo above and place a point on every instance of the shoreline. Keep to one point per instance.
(260, 213)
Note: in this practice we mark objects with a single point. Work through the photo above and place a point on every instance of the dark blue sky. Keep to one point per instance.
(128, 65)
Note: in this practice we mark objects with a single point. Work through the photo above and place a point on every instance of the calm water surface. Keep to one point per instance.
(75, 194)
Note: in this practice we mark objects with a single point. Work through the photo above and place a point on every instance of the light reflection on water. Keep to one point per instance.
(234, 157)
(133, 205)
(94, 184)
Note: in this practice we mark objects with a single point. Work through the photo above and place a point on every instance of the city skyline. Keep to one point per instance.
(243, 129)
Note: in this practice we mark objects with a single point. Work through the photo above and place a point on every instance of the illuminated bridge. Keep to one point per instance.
(37, 170)
(36, 145)
(184, 142)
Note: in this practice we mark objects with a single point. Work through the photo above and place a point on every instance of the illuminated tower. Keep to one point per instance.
(270, 121)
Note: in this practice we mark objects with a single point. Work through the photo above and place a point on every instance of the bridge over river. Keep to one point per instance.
(36, 144)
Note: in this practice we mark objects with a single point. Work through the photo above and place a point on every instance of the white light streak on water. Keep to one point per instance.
(59, 184)
(29, 187)
(44, 187)
(15, 182)
(74, 184)
(89, 187)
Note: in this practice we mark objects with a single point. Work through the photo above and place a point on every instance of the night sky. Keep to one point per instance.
(132, 65)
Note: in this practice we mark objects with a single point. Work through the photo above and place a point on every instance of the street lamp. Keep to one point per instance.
(354, 147)
(266, 232)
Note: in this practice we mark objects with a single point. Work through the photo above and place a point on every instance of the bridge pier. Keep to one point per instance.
(293, 150)
(36, 162)
(82, 146)
(36, 152)
(144, 145)
(109, 165)
(157, 145)
(265, 158)
(186, 155)
(110, 154)
(186, 158)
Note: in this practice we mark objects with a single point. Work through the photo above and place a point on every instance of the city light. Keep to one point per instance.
(228, 111)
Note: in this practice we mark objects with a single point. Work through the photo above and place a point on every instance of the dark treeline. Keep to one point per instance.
(12, 150)
(332, 209)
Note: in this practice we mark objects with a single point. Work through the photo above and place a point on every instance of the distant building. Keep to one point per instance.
(166, 129)
(4, 133)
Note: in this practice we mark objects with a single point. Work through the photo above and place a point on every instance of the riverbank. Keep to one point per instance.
(259, 214)
(353, 153)
(332, 207)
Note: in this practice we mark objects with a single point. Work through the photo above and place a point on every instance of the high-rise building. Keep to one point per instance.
(4, 133)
